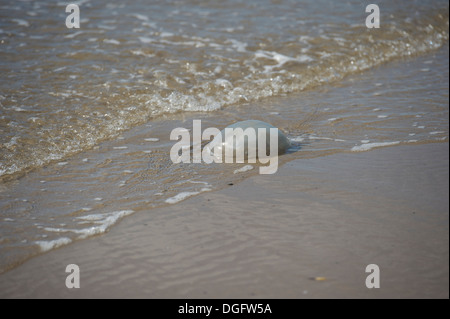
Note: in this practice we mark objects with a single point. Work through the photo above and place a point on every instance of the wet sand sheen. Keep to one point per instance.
(267, 236)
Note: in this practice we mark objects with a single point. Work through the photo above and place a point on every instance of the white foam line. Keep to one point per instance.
(243, 169)
(179, 197)
(320, 138)
(73, 35)
(369, 146)
(280, 58)
(325, 138)
(46, 245)
(140, 52)
(21, 22)
(146, 40)
(58, 69)
(139, 16)
(105, 221)
(111, 41)
(166, 34)
(106, 27)
(183, 195)
(297, 139)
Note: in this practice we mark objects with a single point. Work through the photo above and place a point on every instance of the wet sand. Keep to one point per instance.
(270, 235)
(400, 103)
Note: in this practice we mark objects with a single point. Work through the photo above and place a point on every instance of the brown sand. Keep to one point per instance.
(269, 235)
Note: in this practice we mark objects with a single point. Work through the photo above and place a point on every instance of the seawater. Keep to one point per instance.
(85, 114)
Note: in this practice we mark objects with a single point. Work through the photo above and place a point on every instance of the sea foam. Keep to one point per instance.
(369, 146)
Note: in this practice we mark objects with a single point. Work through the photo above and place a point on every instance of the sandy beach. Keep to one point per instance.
(89, 121)
(271, 235)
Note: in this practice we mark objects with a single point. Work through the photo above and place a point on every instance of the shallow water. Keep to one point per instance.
(64, 90)
(86, 114)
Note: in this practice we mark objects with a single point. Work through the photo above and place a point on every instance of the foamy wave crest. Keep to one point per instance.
(183, 195)
(369, 146)
(46, 245)
(102, 223)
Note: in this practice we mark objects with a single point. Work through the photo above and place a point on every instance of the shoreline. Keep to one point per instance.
(51, 205)
(267, 236)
